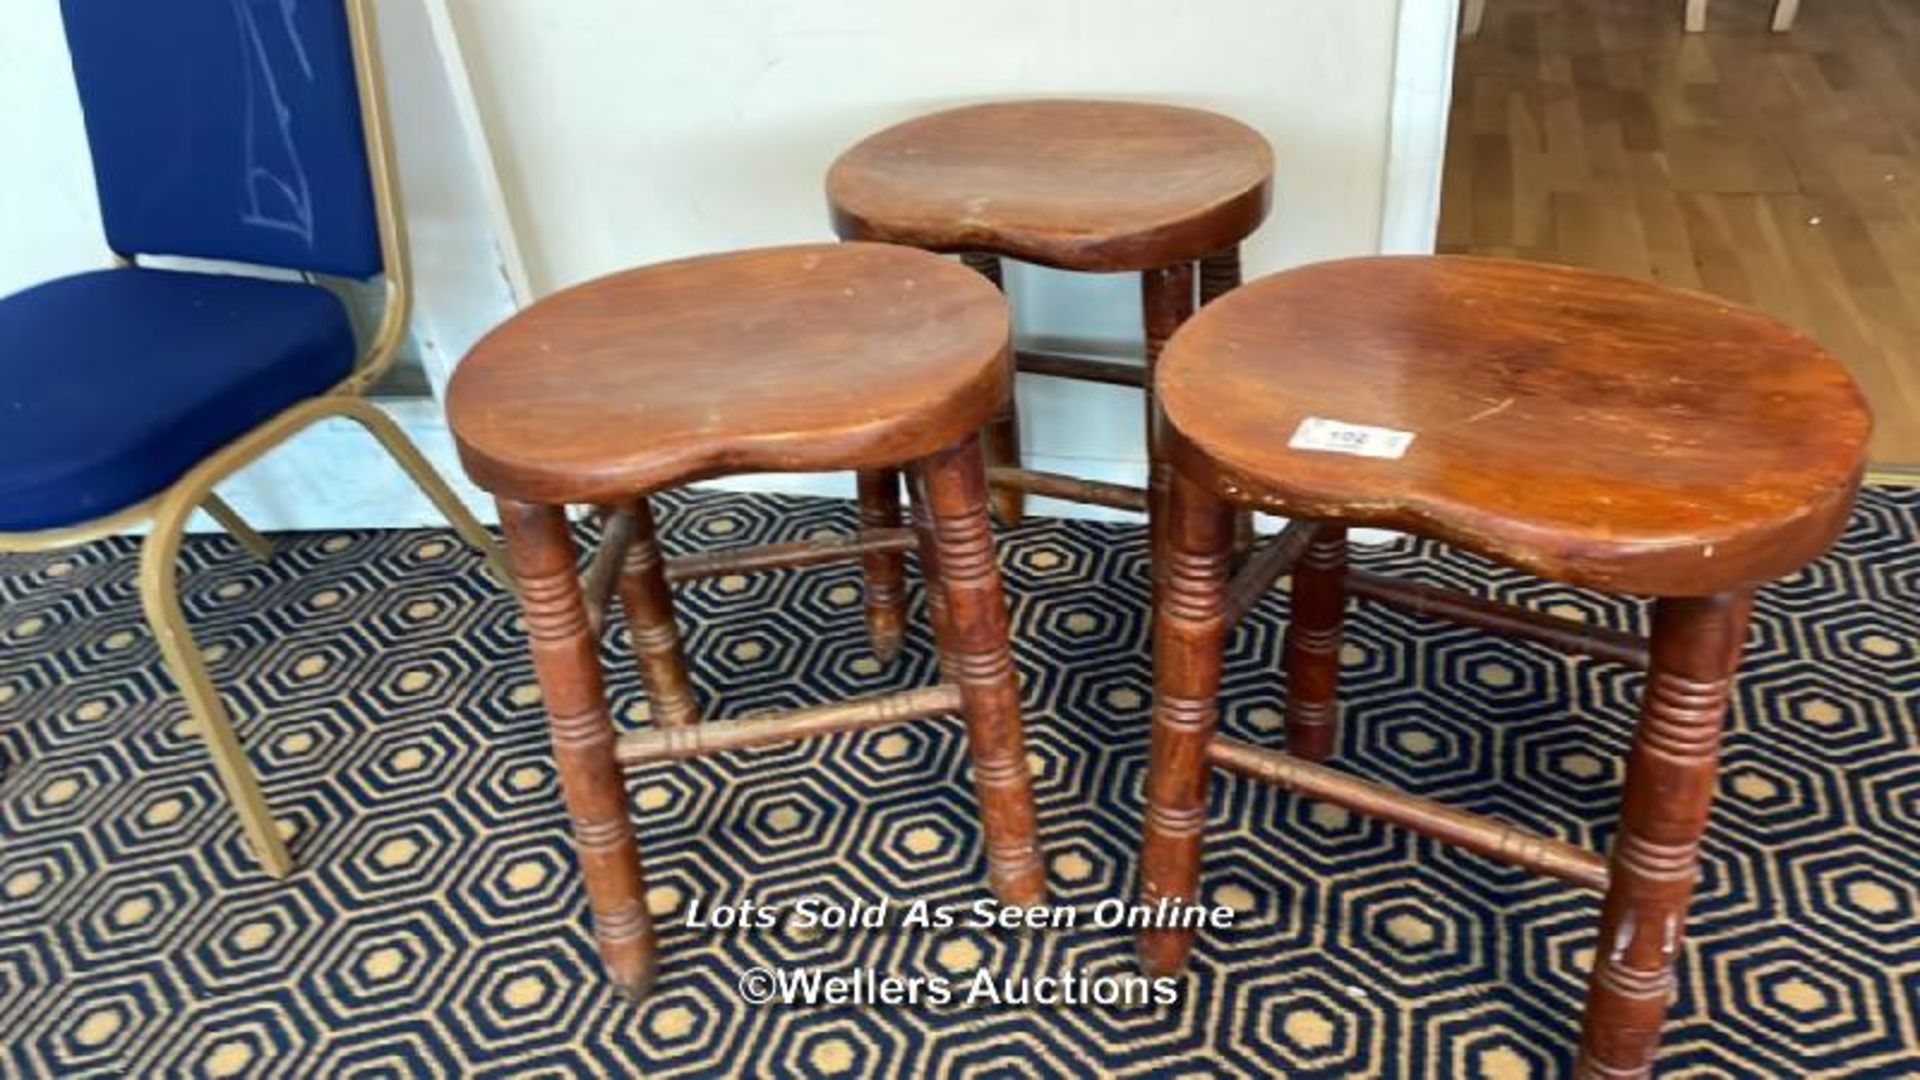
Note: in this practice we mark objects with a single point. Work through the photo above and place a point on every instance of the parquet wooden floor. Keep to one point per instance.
(1780, 170)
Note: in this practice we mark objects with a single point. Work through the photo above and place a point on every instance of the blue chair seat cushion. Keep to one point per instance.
(114, 384)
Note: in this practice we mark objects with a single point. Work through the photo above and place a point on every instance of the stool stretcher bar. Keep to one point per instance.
(1084, 368)
(1567, 635)
(1264, 567)
(1494, 839)
(786, 556)
(674, 744)
(603, 574)
(1071, 488)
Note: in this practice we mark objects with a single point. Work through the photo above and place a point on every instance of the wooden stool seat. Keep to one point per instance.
(1078, 185)
(812, 358)
(1094, 186)
(1591, 429)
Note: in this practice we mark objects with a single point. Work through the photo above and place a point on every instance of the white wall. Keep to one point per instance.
(629, 131)
(49, 215)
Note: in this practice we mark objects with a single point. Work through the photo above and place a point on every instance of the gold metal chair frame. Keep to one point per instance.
(169, 511)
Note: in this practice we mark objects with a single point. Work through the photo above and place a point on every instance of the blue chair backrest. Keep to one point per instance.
(227, 129)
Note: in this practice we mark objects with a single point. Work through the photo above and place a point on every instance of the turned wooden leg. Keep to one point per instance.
(656, 640)
(1670, 778)
(1001, 436)
(1313, 644)
(1220, 275)
(540, 551)
(977, 639)
(1189, 637)
(885, 572)
(930, 576)
(1166, 301)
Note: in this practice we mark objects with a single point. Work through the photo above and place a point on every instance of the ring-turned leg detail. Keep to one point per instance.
(566, 661)
(1189, 637)
(1671, 771)
(982, 663)
(645, 597)
(1219, 274)
(1313, 644)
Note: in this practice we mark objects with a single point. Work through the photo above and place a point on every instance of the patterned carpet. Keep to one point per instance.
(436, 926)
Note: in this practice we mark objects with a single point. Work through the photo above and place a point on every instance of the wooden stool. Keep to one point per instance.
(1093, 186)
(820, 358)
(1593, 430)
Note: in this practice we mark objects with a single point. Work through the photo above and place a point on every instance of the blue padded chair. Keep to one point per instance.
(246, 131)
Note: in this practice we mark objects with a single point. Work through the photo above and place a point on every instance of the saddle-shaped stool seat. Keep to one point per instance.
(819, 358)
(1089, 186)
(1093, 186)
(1590, 429)
(783, 360)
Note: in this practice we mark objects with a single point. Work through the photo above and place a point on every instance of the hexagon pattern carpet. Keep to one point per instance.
(436, 925)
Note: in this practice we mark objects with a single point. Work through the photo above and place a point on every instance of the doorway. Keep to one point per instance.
(1780, 170)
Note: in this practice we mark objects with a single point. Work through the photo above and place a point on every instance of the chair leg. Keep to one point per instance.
(1669, 787)
(244, 534)
(648, 603)
(408, 457)
(977, 637)
(1166, 301)
(883, 571)
(1696, 16)
(1219, 275)
(159, 592)
(159, 595)
(565, 658)
(1313, 644)
(1001, 436)
(1784, 13)
(1189, 637)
